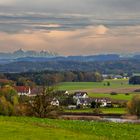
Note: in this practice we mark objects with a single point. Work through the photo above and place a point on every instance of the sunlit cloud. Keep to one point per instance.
(85, 41)
(49, 25)
(70, 27)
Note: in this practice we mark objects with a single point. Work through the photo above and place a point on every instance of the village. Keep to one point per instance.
(76, 100)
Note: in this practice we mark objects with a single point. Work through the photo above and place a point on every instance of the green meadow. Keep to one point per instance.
(115, 97)
(23, 128)
(90, 85)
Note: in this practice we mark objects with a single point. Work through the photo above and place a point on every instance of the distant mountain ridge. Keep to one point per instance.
(20, 56)
(45, 56)
(106, 67)
(21, 53)
(24, 61)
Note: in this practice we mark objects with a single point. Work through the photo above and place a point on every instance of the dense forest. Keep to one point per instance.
(104, 67)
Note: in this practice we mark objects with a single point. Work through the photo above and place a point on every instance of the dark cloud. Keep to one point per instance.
(13, 22)
(95, 7)
(80, 26)
(71, 15)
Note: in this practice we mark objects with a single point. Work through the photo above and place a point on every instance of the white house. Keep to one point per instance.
(55, 102)
(84, 102)
(80, 95)
(118, 77)
(87, 101)
(104, 102)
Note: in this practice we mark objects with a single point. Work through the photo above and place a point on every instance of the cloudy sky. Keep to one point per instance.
(70, 27)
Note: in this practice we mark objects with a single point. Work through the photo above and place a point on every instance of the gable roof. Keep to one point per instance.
(106, 99)
(80, 93)
(90, 100)
(22, 89)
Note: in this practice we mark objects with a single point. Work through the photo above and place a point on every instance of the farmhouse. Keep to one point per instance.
(80, 95)
(55, 102)
(118, 77)
(23, 90)
(104, 102)
(83, 102)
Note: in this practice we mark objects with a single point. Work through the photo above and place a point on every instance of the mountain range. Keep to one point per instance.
(21, 53)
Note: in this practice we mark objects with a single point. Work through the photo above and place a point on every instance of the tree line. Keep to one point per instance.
(53, 77)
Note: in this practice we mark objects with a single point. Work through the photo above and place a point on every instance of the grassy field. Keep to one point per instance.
(20, 128)
(104, 110)
(116, 97)
(90, 85)
(97, 89)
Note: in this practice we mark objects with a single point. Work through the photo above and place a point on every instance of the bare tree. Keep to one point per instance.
(41, 104)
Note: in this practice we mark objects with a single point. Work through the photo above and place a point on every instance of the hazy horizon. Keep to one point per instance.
(80, 27)
(124, 54)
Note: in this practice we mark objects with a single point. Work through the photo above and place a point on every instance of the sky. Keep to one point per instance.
(70, 27)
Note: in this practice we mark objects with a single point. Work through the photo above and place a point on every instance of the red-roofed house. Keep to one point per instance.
(23, 90)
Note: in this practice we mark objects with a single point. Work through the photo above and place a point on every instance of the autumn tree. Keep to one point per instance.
(133, 106)
(8, 101)
(25, 82)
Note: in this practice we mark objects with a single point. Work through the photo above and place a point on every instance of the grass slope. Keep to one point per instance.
(20, 128)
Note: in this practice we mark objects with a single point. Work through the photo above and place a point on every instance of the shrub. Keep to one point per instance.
(127, 93)
(97, 111)
(113, 93)
(93, 104)
(137, 90)
(6, 107)
(108, 84)
(133, 106)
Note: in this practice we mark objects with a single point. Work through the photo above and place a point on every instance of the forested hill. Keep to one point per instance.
(111, 66)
